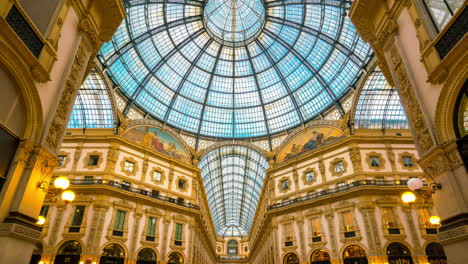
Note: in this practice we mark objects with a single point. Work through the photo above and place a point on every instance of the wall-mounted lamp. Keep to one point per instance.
(53, 192)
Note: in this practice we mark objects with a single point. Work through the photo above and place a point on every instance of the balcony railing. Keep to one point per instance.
(125, 187)
(342, 188)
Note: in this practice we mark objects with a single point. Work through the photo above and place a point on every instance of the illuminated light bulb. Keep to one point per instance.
(40, 220)
(435, 220)
(81, 262)
(68, 196)
(40, 262)
(415, 184)
(62, 183)
(408, 197)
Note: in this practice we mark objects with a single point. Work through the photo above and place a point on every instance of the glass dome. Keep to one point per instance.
(235, 69)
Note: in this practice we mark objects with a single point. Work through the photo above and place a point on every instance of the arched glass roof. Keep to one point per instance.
(379, 105)
(93, 108)
(235, 69)
(233, 178)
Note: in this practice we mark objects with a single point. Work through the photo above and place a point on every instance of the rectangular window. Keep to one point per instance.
(288, 232)
(77, 219)
(285, 184)
(129, 166)
(151, 229)
(407, 161)
(348, 222)
(181, 184)
(180, 200)
(375, 161)
(389, 218)
(338, 167)
(315, 224)
(62, 160)
(93, 160)
(119, 223)
(310, 176)
(178, 234)
(44, 211)
(157, 176)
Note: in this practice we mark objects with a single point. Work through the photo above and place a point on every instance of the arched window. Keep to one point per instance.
(291, 258)
(69, 253)
(355, 254)
(399, 253)
(461, 123)
(320, 256)
(146, 256)
(175, 258)
(112, 254)
(232, 247)
(436, 254)
(37, 253)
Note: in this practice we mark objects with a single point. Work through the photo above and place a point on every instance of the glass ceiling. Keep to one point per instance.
(379, 105)
(93, 108)
(235, 69)
(233, 178)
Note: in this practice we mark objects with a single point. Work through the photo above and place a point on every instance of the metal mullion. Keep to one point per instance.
(283, 80)
(305, 62)
(160, 64)
(335, 43)
(208, 89)
(182, 2)
(259, 94)
(184, 78)
(133, 42)
(298, 2)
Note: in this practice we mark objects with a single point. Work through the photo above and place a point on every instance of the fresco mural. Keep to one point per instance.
(308, 140)
(158, 140)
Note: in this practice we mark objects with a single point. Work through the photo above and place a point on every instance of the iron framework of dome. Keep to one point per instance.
(262, 68)
(233, 176)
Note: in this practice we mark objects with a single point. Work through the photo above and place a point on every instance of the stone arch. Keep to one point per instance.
(410, 248)
(20, 75)
(122, 245)
(283, 256)
(155, 249)
(184, 258)
(229, 143)
(445, 109)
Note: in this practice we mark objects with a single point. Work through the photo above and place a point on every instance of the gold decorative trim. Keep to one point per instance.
(280, 184)
(304, 177)
(332, 166)
(413, 160)
(135, 166)
(163, 176)
(186, 183)
(380, 158)
(88, 157)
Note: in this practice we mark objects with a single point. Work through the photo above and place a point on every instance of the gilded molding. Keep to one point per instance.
(413, 159)
(381, 161)
(304, 176)
(88, 157)
(332, 166)
(135, 166)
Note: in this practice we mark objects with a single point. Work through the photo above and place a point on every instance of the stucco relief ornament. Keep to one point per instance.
(322, 168)
(408, 98)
